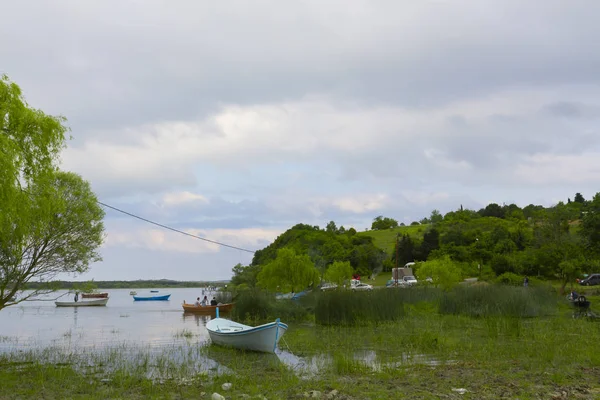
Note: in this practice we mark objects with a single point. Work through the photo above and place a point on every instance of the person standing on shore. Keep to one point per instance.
(526, 282)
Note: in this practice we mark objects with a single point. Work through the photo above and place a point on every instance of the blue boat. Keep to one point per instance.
(163, 297)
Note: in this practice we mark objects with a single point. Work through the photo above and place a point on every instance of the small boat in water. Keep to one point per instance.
(206, 310)
(94, 295)
(88, 303)
(163, 297)
(133, 292)
(256, 338)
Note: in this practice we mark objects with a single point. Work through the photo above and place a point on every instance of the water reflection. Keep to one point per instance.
(198, 319)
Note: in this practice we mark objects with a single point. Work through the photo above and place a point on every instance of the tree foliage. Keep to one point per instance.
(381, 222)
(338, 272)
(443, 271)
(50, 221)
(288, 272)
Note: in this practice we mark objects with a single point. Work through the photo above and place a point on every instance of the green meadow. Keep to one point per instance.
(472, 342)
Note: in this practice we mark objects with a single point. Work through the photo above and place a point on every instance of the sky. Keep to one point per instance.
(235, 120)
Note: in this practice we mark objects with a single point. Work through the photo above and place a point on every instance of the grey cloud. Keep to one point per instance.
(109, 68)
(569, 109)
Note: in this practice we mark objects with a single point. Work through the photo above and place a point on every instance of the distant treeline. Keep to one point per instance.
(138, 284)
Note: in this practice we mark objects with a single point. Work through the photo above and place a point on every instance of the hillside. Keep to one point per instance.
(385, 239)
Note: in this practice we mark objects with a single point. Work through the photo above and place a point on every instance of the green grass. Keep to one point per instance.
(424, 355)
(503, 350)
(386, 239)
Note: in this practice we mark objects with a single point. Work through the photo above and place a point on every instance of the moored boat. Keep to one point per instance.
(88, 303)
(262, 338)
(94, 295)
(164, 297)
(133, 292)
(206, 310)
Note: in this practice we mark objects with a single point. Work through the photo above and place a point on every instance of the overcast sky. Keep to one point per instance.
(235, 120)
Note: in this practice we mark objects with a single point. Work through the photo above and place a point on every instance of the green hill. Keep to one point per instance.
(385, 239)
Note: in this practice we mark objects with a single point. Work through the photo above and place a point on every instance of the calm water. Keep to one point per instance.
(138, 333)
(40, 324)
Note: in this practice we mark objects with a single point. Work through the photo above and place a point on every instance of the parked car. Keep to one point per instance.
(328, 286)
(409, 280)
(362, 286)
(591, 280)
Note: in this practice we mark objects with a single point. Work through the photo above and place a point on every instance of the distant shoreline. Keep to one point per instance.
(137, 284)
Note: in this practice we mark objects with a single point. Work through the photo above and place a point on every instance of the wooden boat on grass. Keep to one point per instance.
(164, 297)
(94, 295)
(262, 338)
(207, 310)
(88, 303)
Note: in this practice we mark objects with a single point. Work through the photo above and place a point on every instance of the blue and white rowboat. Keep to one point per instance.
(152, 298)
(256, 338)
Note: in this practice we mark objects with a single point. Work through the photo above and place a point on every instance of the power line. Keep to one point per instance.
(173, 229)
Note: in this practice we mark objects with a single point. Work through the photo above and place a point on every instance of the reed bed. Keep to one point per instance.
(499, 300)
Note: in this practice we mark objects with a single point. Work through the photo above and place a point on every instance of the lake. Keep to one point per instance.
(155, 324)
(154, 335)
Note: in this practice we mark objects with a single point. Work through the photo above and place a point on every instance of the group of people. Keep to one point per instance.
(205, 302)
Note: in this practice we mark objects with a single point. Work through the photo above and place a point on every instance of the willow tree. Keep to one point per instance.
(50, 221)
(338, 272)
(288, 272)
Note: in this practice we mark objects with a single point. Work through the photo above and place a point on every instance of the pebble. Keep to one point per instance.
(217, 396)
(226, 386)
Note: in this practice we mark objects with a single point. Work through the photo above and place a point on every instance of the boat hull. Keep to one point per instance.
(89, 303)
(206, 310)
(152, 298)
(263, 338)
(94, 295)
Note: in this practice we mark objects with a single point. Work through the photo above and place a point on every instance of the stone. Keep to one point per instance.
(226, 386)
(315, 394)
(217, 396)
(333, 394)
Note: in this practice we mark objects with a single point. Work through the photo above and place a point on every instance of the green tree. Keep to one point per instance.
(436, 217)
(288, 272)
(63, 231)
(556, 245)
(579, 198)
(245, 275)
(443, 271)
(590, 225)
(381, 222)
(338, 272)
(50, 221)
(331, 227)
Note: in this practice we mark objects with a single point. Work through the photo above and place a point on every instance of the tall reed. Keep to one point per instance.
(499, 300)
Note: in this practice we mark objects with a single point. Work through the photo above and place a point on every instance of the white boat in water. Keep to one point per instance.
(257, 338)
(85, 303)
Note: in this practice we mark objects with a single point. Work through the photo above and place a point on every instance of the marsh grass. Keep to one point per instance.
(499, 300)
(184, 333)
(257, 306)
(537, 355)
(505, 341)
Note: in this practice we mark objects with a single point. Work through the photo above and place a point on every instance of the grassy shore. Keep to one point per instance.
(428, 350)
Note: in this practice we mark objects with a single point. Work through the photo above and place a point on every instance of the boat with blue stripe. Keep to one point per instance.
(262, 338)
(163, 297)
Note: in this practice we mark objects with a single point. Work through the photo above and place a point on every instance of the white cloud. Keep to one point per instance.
(322, 129)
(119, 234)
(544, 169)
(179, 198)
(361, 204)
